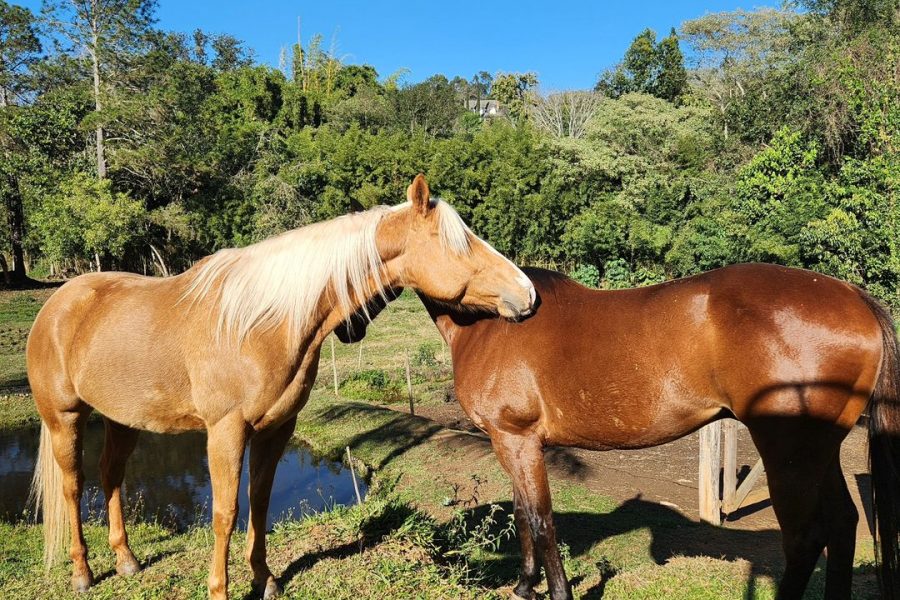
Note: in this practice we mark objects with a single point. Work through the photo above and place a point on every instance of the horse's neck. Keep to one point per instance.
(441, 316)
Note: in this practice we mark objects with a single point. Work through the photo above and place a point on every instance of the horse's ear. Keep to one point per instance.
(419, 195)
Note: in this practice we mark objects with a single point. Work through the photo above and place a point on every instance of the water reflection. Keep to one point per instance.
(167, 479)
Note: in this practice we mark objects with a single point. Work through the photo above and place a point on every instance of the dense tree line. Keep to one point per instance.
(769, 135)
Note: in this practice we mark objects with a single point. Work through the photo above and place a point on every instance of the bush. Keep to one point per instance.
(588, 275)
(372, 385)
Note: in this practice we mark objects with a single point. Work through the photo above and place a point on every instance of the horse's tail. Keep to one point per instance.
(884, 456)
(47, 496)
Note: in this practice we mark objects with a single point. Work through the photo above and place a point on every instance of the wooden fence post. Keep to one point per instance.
(334, 366)
(708, 481)
(412, 408)
(729, 463)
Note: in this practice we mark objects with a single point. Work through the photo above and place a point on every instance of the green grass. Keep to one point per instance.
(427, 529)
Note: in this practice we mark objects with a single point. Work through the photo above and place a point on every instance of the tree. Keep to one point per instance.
(734, 52)
(671, 80)
(229, 53)
(431, 105)
(564, 114)
(109, 32)
(648, 68)
(87, 220)
(19, 49)
(511, 91)
(853, 16)
(778, 192)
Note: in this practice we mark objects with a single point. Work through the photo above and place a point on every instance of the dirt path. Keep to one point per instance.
(668, 474)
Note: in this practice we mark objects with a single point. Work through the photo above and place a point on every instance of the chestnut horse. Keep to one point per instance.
(794, 355)
(230, 346)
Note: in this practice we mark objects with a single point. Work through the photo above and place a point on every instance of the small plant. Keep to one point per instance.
(372, 385)
(468, 542)
(426, 355)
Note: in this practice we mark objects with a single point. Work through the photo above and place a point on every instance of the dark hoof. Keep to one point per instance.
(128, 567)
(523, 592)
(273, 590)
(81, 583)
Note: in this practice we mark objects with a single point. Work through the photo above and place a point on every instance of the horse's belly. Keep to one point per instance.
(631, 414)
(141, 404)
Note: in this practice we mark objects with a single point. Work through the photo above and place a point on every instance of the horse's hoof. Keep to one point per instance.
(522, 594)
(81, 583)
(128, 567)
(273, 590)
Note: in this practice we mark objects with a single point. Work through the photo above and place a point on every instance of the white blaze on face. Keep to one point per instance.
(526, 283)
(521, 278)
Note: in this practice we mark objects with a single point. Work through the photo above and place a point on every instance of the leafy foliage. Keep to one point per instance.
(777, 141)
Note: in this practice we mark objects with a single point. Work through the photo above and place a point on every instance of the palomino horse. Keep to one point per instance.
(230, 346)
(795, 355)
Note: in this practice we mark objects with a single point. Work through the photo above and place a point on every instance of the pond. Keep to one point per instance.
(167, 480)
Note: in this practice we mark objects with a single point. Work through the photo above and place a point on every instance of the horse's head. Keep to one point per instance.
(438, 256)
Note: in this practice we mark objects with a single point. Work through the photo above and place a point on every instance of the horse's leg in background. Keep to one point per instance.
(225, 444)
(530, 574)
(522, 457)
(67, 434)
(117, 447)
(797, 453)
(841, 517)
(266, 449)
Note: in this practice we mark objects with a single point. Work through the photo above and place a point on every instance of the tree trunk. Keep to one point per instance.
(16, 220)
(101, 151)
(6, 278)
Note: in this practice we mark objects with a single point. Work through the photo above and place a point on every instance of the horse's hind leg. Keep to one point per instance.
(118, 446)
(67, 435)
(840, 516)
(797, 453)
(265, 452)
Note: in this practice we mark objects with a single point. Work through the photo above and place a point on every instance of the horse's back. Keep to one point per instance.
(642, 366)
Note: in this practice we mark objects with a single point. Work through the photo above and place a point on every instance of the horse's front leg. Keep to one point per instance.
(266, 449)
(522, 456)
(530, 574)
(225, 450)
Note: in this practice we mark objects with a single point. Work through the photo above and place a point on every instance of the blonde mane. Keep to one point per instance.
(282, 279)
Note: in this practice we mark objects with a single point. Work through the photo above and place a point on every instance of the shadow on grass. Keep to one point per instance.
(403, 432)
(373, 530)
(147, 562)
(671, 533)
(15, 385)
(28, 284)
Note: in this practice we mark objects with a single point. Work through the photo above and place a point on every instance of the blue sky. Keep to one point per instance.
(568, 43)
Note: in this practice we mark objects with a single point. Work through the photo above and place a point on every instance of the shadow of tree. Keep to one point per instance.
(404, 432)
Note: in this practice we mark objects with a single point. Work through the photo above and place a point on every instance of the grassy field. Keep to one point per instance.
(436, 523)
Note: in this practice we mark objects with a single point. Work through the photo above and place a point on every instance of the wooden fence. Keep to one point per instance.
(718, 456)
